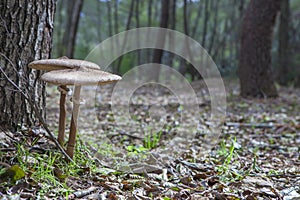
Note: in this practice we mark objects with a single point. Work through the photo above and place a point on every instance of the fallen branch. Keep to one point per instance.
(259, 125)
(82, 193)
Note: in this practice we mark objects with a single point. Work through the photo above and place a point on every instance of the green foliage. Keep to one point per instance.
(226, 169)
(49, 170)
(12, 174)
(151, 141)
(223, 23)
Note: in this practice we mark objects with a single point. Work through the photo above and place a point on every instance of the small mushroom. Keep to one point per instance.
(60, 64)
(78, 77)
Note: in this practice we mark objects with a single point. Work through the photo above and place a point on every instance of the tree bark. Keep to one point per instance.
(99, 21)
(173, 27)
(214, 27)
(185, 67)
(69, 38)
(110, 28)
(255, 71)
(149, 24)
(127, 28)
(196, 24)
(116, 17)
(116, 21)
(137, 20)
(205, 22)
(60, 24)
(25, 35)
(109, 16)
(158, 53)
(283, 48)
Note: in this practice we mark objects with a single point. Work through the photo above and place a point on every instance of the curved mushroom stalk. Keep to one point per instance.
(62, 114)
(74, 119)
(78, 77)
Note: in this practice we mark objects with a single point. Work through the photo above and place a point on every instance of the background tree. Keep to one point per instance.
(69, 38)
(164, 19)
(255, 73)
(214, 24)
(283, 48)
(25, 35)
(128, 24)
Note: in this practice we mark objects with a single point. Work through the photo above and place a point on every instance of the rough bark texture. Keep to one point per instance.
(25, 35)
(255, 71)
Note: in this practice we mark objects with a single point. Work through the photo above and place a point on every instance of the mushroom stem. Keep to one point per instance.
(62, 114)
(73, 126)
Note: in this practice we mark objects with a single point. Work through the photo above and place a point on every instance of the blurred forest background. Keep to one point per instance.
(81, 25)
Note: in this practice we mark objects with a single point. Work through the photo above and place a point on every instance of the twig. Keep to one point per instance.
(254, 125)
(8, 149)
(284, 175)
(125, 134)
(6, 165)
(35, 109)
(82, 193)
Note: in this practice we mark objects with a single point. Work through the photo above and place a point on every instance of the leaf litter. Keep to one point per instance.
(257, 156)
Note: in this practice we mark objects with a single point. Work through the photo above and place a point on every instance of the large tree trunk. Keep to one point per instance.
(25, 35)
(255, 71)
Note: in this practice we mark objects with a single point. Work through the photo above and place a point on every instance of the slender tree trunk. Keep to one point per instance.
(172, 23)
(255, 71)
(110, 30)
(149, 24)
(127, 28)
(196, 24)
(215, 22)
(69, 39)
(239, 22)
(116, 22)
(99, 21)
(116, 16)
(221, 43)
(158, 53)
(283, 49)
(184, 66)
(25, 35)
(156, 11)
(205, 22)
(59, 24)
(137, 19)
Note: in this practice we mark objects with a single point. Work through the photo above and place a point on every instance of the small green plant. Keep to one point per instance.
(227, 154)
(48, 170)
(136, 149)
(151, 140)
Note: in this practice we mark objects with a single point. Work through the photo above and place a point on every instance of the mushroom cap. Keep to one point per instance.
(79, 76)
(61, 63)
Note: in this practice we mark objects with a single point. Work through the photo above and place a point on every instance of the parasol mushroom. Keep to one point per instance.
(78, 77)
(60, 64)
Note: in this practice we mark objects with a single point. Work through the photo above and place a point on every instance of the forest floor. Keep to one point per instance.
(256, 156)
